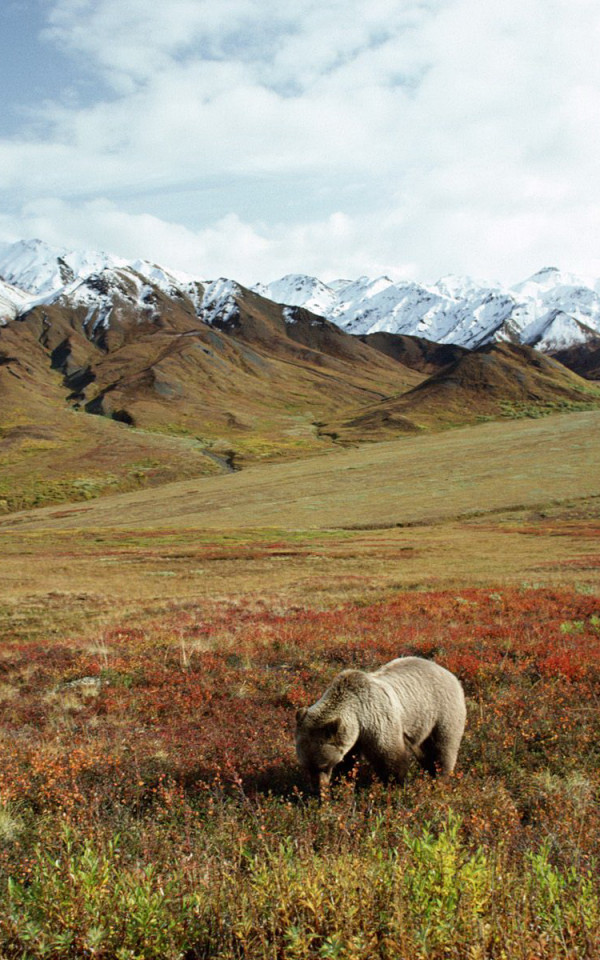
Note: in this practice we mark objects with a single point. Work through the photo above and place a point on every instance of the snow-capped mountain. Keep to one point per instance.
(43, 271)
(297, 290)
(33, 273)
(550, 310)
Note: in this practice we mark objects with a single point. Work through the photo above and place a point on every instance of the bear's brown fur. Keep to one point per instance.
(409, 707)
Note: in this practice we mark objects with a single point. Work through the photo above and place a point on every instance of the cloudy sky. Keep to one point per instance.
(253, 138)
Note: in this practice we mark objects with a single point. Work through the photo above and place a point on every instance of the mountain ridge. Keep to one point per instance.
(187, 376)
(551, 310)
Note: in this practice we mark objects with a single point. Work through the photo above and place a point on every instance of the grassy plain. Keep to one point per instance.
(456, 473)
(154, 647)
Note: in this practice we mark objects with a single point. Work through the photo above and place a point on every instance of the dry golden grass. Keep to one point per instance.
(424, 479)
(511, 502)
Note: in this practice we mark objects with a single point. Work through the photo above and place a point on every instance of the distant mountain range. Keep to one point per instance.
(551, 310)
(212, 375)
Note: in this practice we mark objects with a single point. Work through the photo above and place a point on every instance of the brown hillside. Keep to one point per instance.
(235, 391)
(253, 375)
(499, 380)
(52, 453)
(582, 358)
(426, 356)
(294, 334)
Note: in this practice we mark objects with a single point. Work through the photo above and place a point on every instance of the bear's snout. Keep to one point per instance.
(319, 781)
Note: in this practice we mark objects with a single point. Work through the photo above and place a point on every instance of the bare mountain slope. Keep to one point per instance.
(582, 358)
(248, 382)
(426, 356)
(500, 380)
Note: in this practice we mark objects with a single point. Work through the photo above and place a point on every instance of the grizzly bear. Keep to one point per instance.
(408, 707)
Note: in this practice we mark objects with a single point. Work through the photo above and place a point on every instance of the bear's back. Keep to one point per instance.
(427, 670)
(418, 681)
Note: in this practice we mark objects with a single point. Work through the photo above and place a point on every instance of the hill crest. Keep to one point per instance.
(499, 380)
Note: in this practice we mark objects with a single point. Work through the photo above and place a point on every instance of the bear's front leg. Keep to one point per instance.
(389, 764)
(349, 763)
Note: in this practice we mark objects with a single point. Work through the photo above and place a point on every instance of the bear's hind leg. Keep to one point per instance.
(438, 753)
(428, 755)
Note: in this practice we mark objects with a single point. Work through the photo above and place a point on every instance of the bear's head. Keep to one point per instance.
(320, 746)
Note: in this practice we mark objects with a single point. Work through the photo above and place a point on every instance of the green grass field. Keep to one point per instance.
(155, 645)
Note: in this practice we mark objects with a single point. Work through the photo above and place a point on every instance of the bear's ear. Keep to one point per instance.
(330, 730)
(300, 715)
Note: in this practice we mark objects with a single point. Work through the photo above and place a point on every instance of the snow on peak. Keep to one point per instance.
(549, 309)
(547, 279)
(12, 302)
(169, 281)
(460, 288)
(298, 290)
(455, 309)
(44, 274)
(43, 270)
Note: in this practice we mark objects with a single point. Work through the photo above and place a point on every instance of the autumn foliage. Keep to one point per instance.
(151, 774)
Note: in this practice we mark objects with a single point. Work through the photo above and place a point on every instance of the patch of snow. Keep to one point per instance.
(219, 303)
(290, 315)
(12, 302)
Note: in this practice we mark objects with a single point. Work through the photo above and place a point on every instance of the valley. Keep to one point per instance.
(516, 502)
(418, 479)
(120, 376)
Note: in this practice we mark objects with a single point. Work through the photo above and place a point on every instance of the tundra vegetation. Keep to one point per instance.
(151, 805)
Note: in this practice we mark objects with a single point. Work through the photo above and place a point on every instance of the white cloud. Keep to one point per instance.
(447, 135)
(230, 247)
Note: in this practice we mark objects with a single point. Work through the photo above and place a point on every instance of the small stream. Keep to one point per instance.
(226, 463)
